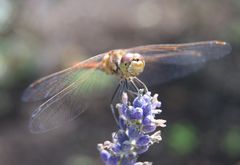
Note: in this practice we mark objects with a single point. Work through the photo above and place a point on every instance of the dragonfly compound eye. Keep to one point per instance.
(127, 58)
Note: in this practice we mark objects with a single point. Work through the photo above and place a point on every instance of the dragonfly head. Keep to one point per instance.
(132, 64)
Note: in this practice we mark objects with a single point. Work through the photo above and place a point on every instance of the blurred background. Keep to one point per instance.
(202, 110)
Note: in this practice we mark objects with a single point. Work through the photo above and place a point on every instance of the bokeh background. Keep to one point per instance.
(39, 37)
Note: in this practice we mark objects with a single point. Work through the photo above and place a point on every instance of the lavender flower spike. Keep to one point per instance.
(137, 124)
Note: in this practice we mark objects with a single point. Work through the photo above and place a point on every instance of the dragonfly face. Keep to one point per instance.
(68, 92)
(131, 65)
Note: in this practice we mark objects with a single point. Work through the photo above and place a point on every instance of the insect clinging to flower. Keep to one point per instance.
(68, 93)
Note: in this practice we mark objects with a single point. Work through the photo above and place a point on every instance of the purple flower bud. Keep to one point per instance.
(147, 110)
(129, 112)
(142, 149)
(136, 114)
(113, 160)
(126, 146)
(128, 160)
(147, 97)
(132, 156)
(116, 148)
(138, 102)
(149, 128)
(122, 109)
(104, 155)
(122, 123)
(121, 136)
(133, 132)
(147, 120)
(143, 141)
(125, 161)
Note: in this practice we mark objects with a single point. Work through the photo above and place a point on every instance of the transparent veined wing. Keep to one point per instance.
(71, 101)
(70, 92)
(170, 61)
(48, 86)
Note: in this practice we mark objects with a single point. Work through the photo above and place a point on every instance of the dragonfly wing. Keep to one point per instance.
(71, 101)
(170, 61)
(183, 54)
(163, 73)
(48, 86)
(55, 111)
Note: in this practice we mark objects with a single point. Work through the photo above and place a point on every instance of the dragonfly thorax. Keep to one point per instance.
(123, 63)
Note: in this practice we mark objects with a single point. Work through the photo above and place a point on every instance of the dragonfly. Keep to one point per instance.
(68, 93)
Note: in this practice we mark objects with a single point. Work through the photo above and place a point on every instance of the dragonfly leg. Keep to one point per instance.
(115, 96)
(114, 114)
(135, 88)
(142, 84)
